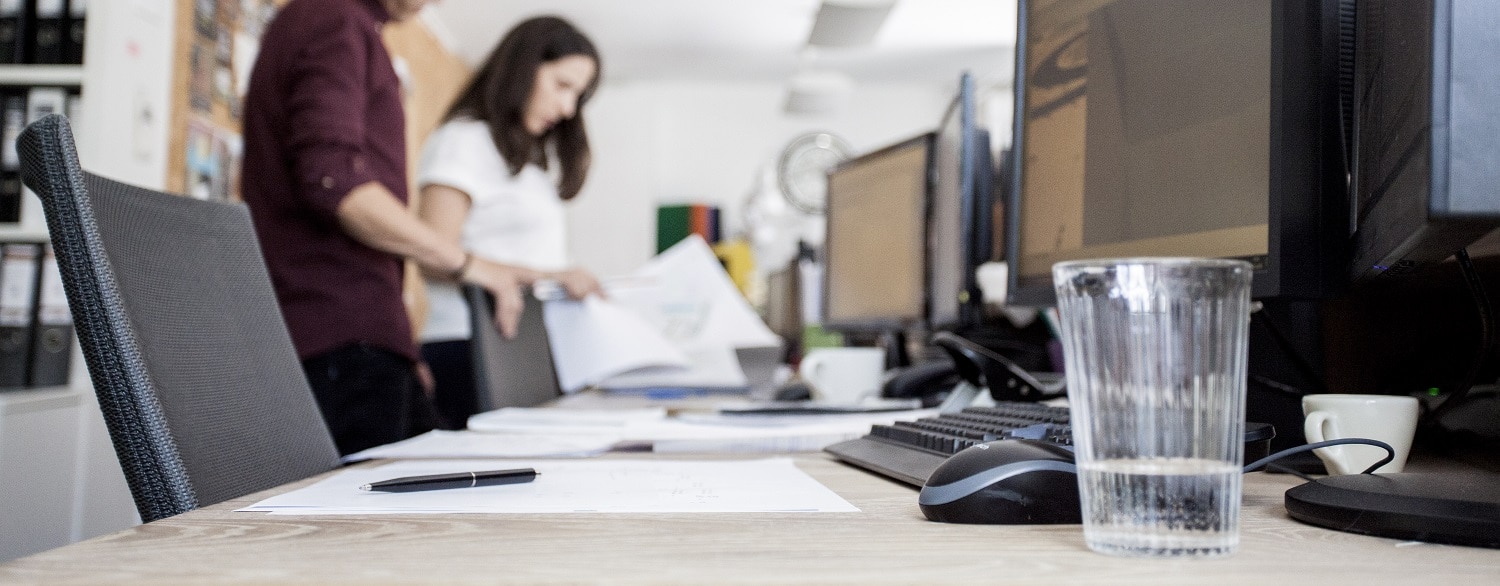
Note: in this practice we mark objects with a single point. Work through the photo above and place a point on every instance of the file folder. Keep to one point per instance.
(12, 122)
(48, 29)
(18, 285)
(73, 40)
(52, 333)
(13, 31)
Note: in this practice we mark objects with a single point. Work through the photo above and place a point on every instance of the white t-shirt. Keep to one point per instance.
(512, 219)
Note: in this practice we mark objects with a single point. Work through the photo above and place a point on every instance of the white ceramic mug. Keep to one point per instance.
(1388, 418)
(843, 375)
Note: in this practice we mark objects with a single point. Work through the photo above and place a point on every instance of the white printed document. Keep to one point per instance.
(574, 486)
(676, 322)
(465, 444)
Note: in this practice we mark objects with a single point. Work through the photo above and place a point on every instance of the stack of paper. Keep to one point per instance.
(654, 429)
(674, 323)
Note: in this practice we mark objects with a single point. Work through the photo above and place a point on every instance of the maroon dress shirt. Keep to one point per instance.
(323, 116)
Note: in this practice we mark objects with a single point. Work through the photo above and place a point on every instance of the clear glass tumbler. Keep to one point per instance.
(1155, 352)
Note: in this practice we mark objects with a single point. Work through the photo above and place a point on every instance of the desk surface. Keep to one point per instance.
(888, 541)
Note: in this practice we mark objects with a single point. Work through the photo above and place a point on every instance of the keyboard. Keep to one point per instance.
(910, 450)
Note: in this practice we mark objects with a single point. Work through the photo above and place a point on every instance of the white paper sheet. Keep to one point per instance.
(594, 339)
(698, 433)
(462, 444)
(693, 301)
(574, 486)
(676, 322)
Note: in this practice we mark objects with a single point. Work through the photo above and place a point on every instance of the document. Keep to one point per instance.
(638, 429)
(676, 322)
(463, 444)
(773, 485)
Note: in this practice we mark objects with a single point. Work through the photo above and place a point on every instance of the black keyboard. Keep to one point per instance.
(910, 450)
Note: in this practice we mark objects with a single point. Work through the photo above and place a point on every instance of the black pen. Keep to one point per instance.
(455, 480)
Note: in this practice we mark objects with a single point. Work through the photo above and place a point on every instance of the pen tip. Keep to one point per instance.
(365, 487)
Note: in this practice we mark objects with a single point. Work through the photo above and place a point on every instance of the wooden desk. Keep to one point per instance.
(887, 542)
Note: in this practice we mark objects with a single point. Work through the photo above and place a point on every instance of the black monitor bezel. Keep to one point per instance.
(975, 172)
(1308, 213)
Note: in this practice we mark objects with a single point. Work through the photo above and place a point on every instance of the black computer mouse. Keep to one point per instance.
(1011, 482)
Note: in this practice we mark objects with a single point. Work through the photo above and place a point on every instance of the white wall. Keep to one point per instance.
(676, 142)
(127, 88)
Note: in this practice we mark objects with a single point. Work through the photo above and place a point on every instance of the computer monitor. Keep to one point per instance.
(959, 227)
(1426, 133)
(874, 255)
(1178, 128)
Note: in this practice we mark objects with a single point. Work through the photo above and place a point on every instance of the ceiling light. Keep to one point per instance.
(848, 23)
(818, 92)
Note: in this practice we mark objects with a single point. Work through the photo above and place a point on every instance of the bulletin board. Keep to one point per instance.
(217, 41)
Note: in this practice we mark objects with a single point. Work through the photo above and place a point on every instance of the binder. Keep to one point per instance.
(52, 333)
(40, 101)
(673, 223)
(12, 121)
(10, 197)
(18, 285)
(49, 26)
(13, 31)
(72, 50)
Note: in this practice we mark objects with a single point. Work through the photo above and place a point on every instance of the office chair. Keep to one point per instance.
(200, 388)
(510, 373)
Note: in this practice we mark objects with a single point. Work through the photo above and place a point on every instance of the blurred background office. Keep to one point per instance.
(703, 102)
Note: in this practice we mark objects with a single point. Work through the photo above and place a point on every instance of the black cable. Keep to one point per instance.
(1486, 337)
(1390, 452)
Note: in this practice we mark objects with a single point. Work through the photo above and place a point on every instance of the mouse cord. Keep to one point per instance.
(1390, 453)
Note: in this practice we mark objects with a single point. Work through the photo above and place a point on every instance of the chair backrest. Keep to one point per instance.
(200, 388)
(510, 373)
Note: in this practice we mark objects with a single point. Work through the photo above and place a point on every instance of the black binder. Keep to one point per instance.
(13, 31)
(18, 286)
(73, 40)
(49, 26)
(12, 121)
(52, 334)
(10, 197)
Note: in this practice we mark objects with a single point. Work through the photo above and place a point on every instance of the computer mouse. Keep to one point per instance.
(1010, 482)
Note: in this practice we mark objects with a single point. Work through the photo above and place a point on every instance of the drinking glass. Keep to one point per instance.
(1155, 352)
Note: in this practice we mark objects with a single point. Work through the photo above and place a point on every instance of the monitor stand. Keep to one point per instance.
(1456, 508)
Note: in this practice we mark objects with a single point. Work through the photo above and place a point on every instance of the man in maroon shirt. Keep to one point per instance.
(325, 178)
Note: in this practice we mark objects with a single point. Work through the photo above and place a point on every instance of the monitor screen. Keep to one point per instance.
(1173, 128)
(958, 233)
(874, 265)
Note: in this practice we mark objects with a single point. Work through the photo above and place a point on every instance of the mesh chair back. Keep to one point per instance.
(200, 387)
(510, 373)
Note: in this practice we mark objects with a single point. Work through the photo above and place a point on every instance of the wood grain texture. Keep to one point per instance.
(887, 542)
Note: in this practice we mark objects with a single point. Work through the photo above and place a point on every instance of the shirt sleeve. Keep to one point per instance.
(326, 104)
(451, 157)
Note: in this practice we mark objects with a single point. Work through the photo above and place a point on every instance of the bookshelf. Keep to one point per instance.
(58, 471)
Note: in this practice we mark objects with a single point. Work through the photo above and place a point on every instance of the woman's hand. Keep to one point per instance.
(504, 282)
(578, 283)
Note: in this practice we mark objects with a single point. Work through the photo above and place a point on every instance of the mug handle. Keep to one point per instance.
(1332, 457)
(809, 368)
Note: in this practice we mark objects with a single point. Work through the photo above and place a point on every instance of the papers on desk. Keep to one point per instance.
(676, 322)
(706, 433)
(574, 486)
(463, 444)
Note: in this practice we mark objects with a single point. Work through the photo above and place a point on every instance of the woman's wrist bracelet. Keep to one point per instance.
(458, 274)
